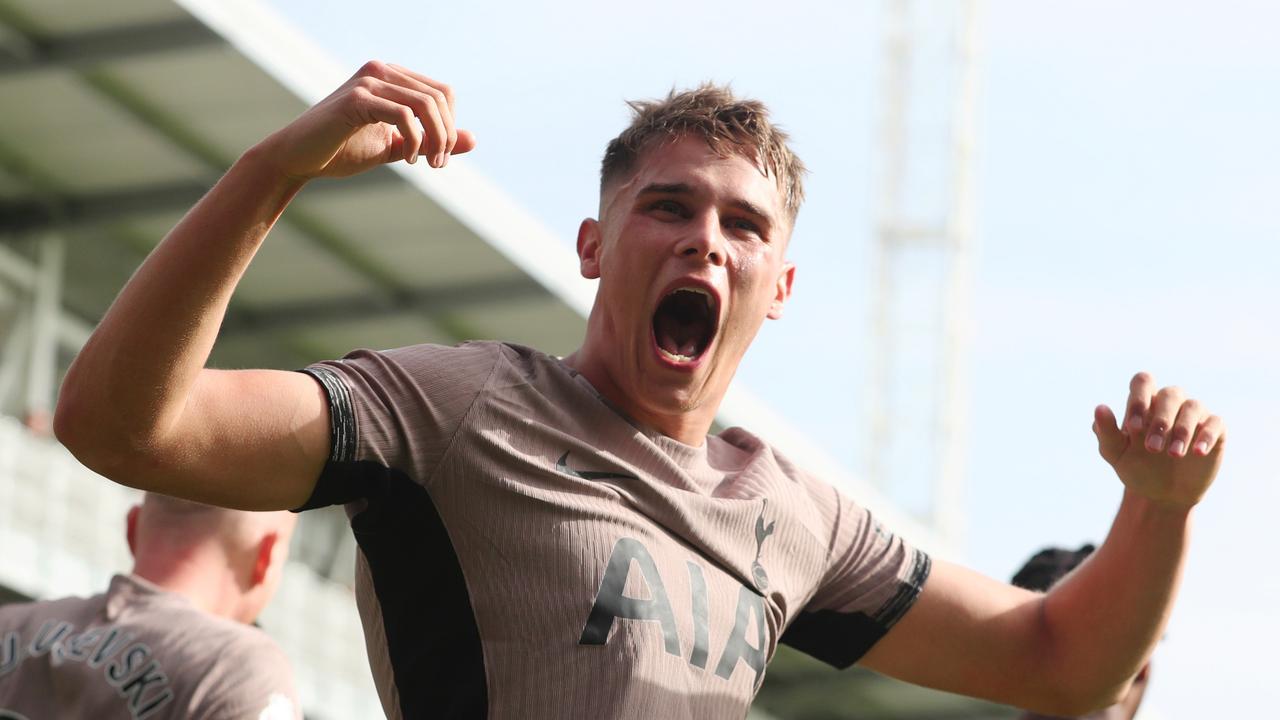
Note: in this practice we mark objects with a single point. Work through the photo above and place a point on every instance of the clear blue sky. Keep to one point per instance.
(1128, 177)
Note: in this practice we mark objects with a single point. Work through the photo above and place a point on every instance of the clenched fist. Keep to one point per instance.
(382, 114)
(1169, 448)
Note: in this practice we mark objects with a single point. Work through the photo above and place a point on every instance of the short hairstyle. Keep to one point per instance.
(186, 522)
(1049, 566)
(727, 124)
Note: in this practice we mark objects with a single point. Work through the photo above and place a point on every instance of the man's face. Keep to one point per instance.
(690, 254)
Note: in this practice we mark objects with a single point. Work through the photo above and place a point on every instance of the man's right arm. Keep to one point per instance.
(138, 404)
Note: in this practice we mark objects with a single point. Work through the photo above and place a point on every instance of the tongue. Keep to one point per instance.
(679, 337)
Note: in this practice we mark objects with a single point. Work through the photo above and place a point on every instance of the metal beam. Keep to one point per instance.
(20, 272)
(918, 395)
(434, 303)
(170, 127)
(46, 310)
(70, 211)
(86, 49)
(14, 45)
(431, 302)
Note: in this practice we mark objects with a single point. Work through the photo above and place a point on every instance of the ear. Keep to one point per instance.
(785, 278)
(131, 529)
(262, 560)
(589, 249)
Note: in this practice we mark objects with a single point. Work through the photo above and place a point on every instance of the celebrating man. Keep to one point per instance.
(545, 537)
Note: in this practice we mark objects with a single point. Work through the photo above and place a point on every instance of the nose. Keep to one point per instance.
(704, 240)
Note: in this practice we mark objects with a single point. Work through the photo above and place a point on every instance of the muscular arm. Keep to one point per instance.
(1066, 653)
(1077, 648)
(138, 404)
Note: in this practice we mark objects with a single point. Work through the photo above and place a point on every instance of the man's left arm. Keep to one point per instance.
(1077, 648)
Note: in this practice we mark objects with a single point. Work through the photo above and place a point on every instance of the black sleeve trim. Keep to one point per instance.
(895, 607)
(342, 414)
(841, 639)
(337, 483)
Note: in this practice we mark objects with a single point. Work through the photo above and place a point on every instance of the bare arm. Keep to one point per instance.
(1077, 648)
(138, 404)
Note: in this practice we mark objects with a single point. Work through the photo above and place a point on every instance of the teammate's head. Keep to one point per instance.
(228, 561)
(698, 198)
(1049, 566)
(726, 123)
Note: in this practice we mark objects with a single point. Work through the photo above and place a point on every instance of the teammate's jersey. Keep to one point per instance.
(526, 551)
(137, 652)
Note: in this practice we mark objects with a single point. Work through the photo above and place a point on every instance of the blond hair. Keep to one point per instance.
(727, 124)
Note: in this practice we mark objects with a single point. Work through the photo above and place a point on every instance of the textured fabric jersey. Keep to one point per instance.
(528, 552)
(137, 651)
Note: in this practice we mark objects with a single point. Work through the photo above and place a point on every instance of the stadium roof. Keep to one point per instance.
(118, 116)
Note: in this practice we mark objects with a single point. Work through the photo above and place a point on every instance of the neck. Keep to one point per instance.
(202, 577)
(688, 426)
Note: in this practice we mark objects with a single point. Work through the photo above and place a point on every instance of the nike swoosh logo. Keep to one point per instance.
(562, 465)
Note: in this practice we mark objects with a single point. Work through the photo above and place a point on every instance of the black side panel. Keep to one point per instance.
(343, 482)
(432, 636)
(835, 638)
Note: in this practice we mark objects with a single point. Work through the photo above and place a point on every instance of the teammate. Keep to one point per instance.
(170, 640)
(1040, 573)
(544, 537)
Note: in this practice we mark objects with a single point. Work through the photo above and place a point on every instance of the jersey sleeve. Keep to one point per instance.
(873, 577)
(395, 410)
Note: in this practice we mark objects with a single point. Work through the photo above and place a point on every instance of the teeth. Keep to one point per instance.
(675, 356)
(698, 290)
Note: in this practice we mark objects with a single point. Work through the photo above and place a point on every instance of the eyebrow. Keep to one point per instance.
(686, 189)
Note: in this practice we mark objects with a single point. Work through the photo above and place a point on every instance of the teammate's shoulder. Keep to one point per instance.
(235, 649)
(249, 675)
(254, 644)
(15, 613)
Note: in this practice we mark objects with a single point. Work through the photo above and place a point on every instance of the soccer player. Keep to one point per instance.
(172, 639)
(544, 537)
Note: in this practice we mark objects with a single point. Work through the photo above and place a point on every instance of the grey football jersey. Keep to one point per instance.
(526, 551)
(138, 652)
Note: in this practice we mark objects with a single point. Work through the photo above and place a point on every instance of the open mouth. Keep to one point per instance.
(684, 324)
